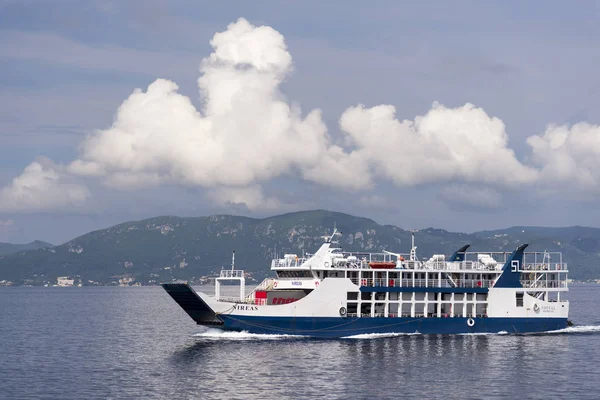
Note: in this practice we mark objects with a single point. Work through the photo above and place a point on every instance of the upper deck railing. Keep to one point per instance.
(459, 283)
(542, 257)
(544, 267)
(429, 283)
(544, 284)
(474, 261)
(287, 262)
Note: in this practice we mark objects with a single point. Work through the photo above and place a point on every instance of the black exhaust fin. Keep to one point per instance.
(459, 255)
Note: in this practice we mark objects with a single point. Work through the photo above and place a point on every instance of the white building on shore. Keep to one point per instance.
(65, 281)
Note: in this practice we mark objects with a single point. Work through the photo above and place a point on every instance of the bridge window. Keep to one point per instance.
(294, 274)
(352, 296)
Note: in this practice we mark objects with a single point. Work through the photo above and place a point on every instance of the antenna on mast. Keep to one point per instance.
(233, 260)
(413, 248)
(333, 235)
(329, 238)
(546, 256)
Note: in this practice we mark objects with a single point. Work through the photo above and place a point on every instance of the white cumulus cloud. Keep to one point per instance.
(41, 187)
(568, 154)
(245, 133)
(446, 144)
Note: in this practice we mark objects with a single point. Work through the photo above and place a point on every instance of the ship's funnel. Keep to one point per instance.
(459, 255)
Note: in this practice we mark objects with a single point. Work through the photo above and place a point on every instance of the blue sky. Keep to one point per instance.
(67, 66)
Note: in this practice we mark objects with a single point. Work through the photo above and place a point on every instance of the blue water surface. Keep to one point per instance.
(130, 343)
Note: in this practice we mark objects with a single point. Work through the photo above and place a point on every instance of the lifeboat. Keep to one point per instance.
(382, 264)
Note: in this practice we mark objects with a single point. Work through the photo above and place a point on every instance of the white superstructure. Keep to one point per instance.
(468, 291)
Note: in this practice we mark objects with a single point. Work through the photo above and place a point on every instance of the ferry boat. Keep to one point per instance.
(332, 294)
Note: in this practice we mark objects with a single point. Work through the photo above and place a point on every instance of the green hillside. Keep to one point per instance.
(8, 248)
(165, 248)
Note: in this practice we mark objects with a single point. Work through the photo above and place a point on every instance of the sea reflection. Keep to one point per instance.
(438, 365)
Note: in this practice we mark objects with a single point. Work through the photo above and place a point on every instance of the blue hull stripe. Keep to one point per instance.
(333, 327)
(394, 289)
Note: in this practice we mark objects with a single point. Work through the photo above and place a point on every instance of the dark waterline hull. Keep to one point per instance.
(350, 326)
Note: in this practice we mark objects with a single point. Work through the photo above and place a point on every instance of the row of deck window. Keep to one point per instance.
(427, 310)
(418, 296)
(414, 304)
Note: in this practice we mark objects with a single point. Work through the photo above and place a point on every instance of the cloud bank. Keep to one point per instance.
(42, 187)
(247, 133)
(446, 144)
(569, 155)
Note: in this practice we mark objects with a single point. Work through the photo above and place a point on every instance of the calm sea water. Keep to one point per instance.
(125, 343)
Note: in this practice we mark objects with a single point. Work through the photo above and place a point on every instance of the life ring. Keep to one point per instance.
(275, 284)
(326, 264)
(470, 322)
(316, 283)
(343, 311)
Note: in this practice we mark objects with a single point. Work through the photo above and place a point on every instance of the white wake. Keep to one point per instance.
(219, 334)
(570, 329)
(483, 333)
(378, 335)
(579, 329)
